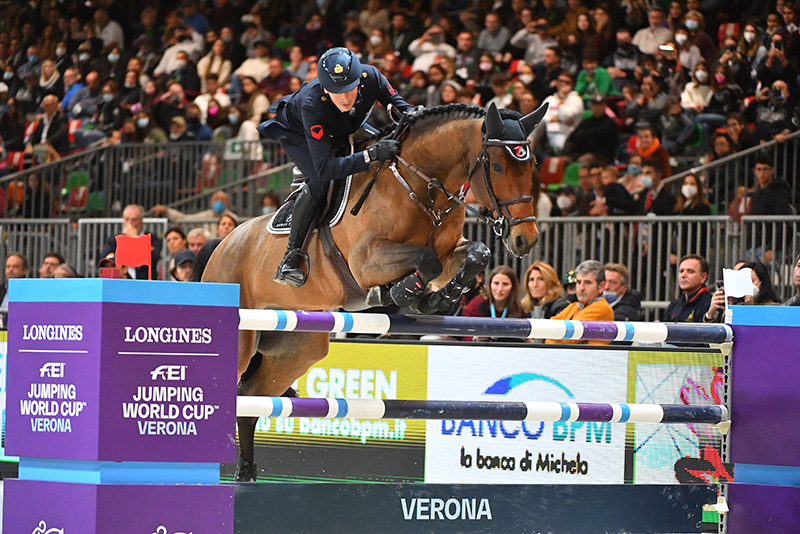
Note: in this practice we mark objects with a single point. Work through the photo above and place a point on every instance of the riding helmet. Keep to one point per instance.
(339, 70)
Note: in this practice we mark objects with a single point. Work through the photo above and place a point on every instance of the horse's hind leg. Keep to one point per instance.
(475, 260)
(285, 357)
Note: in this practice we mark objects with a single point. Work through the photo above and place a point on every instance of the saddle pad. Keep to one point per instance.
(280, 223)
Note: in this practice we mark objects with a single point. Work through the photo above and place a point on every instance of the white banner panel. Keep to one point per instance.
(495, 452)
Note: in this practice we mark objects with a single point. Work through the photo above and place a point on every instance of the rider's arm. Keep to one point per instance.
(323, 152)
(387, 94)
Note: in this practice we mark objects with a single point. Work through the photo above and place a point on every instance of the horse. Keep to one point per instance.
(405, 242)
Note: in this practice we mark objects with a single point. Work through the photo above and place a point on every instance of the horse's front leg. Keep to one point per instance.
(473, 257)
(382, 262)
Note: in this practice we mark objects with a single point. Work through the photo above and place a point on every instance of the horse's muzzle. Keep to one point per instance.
(520, 243)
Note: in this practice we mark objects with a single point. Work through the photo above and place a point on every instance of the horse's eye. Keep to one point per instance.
(497, 167)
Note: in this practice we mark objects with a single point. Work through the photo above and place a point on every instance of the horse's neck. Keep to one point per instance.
(447, 152)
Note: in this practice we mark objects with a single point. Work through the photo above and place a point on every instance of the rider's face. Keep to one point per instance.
(344, 101)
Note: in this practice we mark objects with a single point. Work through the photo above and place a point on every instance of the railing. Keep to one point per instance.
(649, 246)
(100, 181)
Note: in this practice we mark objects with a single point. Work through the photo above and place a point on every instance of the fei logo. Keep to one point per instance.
(163, 530)
(42, 529)
(52, 370)
(169, 372)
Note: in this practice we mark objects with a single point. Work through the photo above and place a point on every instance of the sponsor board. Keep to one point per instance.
(3, 376)
(509, 452)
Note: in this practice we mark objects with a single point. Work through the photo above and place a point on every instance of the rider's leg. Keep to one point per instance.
(305, 210)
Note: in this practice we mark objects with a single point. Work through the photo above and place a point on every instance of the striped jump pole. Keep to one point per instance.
(373, 323)
(479, 410)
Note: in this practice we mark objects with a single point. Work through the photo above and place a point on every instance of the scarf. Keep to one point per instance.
(648, 152)
(47, 84)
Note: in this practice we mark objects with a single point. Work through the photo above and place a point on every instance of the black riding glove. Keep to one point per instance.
(383, 150)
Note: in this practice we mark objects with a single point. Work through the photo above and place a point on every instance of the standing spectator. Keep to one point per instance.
(658, 200)
(12, 126)
(647, 40)
(429, 46)
(626, 302)
(543, 292)
(695, 298)
(591, 306)
(622, 62)
(691, 203)
(563, 114)
(109, 31)
(49, 264)
(772, 196)
(494, 36)
(595, 134)
(132, 226)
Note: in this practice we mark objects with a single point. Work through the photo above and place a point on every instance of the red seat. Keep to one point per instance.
(16, 161)
(552, 170)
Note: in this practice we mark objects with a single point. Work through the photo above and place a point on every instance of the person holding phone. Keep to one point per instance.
(775, 66)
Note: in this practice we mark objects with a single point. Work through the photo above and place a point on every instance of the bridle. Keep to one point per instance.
(502, 224)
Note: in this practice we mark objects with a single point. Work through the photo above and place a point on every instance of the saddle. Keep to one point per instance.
(339, 190)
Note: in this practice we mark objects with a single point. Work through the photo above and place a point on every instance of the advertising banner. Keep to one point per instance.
(3, 378)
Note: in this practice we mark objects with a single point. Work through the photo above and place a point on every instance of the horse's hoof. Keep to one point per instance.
(246, 471)
(378, 296)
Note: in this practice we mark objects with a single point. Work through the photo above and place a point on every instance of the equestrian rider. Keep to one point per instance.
(313, 126)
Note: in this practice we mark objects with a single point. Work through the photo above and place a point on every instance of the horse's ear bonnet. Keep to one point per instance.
(530, 121)
(493, 122)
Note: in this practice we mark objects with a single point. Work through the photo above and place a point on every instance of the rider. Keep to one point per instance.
(313, 126)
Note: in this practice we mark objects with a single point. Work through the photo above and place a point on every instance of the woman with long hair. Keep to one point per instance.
(499, 298)
(543, 292)
(216, 62)
(692, 202)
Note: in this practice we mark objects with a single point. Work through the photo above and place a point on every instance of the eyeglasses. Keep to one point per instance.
(564, 81)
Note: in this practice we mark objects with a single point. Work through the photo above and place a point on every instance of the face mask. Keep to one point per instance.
(315, 26)
(174, 136)
(143, 123)
(589, 72)
(681, 38)
(107, 97)
(720, 78)
(83, 57)
(701, 75)
(113, 58)
(33, 59)
(647, 181)
(227, 39)
(526, 78)
(213, 111)
(749, 37)
(194, 119)
(266, 210)
(180, 64)
(375, 40)
(130, 85)
(564, 203)
(634, 170)
(610, 296)
(233, 118)
(7, 75)
(60, 51)
(691, 25)
(485, 67)
(218, 206)
(688, 191)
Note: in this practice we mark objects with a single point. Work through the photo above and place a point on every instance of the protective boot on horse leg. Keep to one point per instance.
(304, 214)
(475, 261)
(407, 291)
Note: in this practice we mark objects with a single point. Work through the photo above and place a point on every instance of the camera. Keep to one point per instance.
(720, 284)
(777, 45)
(732, 48)
(776, 93)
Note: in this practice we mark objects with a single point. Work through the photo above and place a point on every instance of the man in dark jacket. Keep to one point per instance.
(626, 302)
(695, 298)
(771, 197)
(52, 128)
(596, 134)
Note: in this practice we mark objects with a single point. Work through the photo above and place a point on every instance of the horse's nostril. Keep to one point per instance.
(521, 243)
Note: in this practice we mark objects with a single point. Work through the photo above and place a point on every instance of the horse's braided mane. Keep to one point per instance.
(438, 113)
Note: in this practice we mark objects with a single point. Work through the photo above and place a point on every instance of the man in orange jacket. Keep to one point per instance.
(591, 306)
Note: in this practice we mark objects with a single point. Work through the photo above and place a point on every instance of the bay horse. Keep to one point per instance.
(408, 234)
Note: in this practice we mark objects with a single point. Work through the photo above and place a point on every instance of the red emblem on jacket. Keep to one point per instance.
(316, 131)
(391, 89)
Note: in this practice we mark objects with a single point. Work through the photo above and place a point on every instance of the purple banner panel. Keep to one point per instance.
(765, 393)
(169, 383)
(121, 509)
(52, 403)
(763, 509)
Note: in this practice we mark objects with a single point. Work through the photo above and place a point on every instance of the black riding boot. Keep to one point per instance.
(304, 212)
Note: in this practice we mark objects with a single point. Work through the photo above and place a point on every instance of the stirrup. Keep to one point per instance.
(292, 275)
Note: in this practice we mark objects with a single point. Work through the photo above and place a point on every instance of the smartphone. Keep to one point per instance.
(777, 45)
(732, 48)
(720, 284)
(666, 48)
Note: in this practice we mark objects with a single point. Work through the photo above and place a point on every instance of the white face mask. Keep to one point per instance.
(564, 203)
(749, 37)
(174, 136)
(701, 75)
(266, 210)
(647, 181)
(375, 40)
(688, 191)
(680, 38)
(179, 64)
(526, 78)
(60, 51)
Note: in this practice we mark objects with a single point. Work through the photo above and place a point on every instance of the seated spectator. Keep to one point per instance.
(72, 84)
(594, 79)
(695, 23)
(49, 264)
(52, 129)
(776, 65)
(65, 271)
(108, 268)
(252, 102)
(502, 98)
(726, 98)
(256, 67)
(215, 62)
(144, 130)
(196, 238)
(499, 298)
(656, 197)
(50, 80)
(566, 201)
(184, 263)
(178, 132)
(298, 66)
(765, 294)
(546, 73)
(12, 126)
(698, 92)
(16, 267)
(646, 109)
(626, 302)
(794, 300)
(218, 205)
(109, 117)
(494, 36)
(740, 132)
(29, 96)
(596, 134)
(132, 226)
(182, 39)
(677, 127)
(225, 225)
(543, 293)
(194, 124)
(213, 92)
(773, 112)
(688, 53)
(752, 49)
(590, 306)
(649, 146)
(415, 91)
(185, 73)
(695, 298)
(85, 103)
(613, 198)
(622, 62)
(277, 79)
(647, 40)
(632, 179)
(563, 114)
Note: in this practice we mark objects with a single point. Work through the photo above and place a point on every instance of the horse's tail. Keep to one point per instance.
(203, 255)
